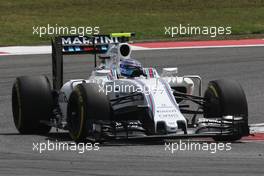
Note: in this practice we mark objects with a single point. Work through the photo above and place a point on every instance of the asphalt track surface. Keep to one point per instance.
(245, 65)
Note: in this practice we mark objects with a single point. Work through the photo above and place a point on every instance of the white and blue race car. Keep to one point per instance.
(122, 100)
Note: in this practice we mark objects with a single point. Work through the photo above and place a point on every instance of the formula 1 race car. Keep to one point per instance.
(123, 100)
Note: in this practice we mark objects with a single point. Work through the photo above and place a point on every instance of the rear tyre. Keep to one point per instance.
(86, 105)
(227, 98)
(32, 103)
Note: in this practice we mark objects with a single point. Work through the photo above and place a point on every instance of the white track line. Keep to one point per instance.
(26, 50)
(256, 128)
(201, 47)
(257, 125)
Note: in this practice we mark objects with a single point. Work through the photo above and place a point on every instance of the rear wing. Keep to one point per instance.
(69, 45)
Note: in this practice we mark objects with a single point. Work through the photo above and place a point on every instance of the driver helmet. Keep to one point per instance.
(130, 68)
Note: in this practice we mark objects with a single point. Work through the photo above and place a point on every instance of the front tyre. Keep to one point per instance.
(86, 106)
(227, 98)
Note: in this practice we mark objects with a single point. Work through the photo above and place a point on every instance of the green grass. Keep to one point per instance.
(146, 18)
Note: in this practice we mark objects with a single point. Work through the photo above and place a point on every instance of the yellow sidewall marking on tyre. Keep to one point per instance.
(214, 90)
(81, 114)
(19, 106)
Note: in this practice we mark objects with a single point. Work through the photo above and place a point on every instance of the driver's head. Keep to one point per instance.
(130, 68)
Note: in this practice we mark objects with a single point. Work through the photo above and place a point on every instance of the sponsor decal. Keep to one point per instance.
(78, 40)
